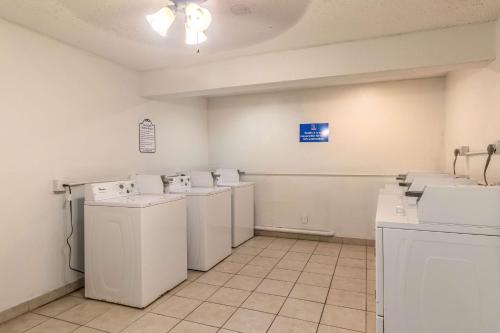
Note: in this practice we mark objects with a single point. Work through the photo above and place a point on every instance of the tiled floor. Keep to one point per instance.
(273, 285)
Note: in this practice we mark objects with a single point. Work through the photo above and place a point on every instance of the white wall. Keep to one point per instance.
(406, 54)
(473, 116)
(376, 129)
(68, 114)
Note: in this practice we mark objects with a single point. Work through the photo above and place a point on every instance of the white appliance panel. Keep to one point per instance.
(209, 229)
(112, 254)
(243, 221)
(440, 282)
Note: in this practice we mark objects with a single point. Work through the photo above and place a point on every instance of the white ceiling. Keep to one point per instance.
(117, 30)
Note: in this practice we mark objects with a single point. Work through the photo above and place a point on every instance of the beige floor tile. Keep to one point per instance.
(304, 244)
(349, 284)
(321, 259)
(314, 279)
(371, 303)
(249, 321)
(331, 329)
(179, 287)
(319, 268)
(160, 300)
(240, 258)
(53, 326)
(328, 249)
(370, 287)
(243, 282)
(351, 272)
(371, 275)
(370, 322)
(344, 318)
(214, 278)
(349, 262)
(255, 271)
(196, 290)
(309, 293)
(302, 248)
(193, 275)
(264, 262)
(353, 254)
(348, 299)
(291, 264)
(115, 319)
(22, 323)
(223, 330)
(85, 312)
(281, 244)
(211, 314)
(228, 267)
(284, 275)
(290, 325)
(152, 323)
(298, 256)
(229, 296)
(249, 250)
(300, 309)
(83, 329)
(273, 253)
(259, 242)
(59, 306)
(274, 287)
(78, 293)
(177, 307)
(189, 327)
(327, 252)
(264, 302)
(354, 248)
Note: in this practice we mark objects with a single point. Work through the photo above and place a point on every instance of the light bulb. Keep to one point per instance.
(197, 17)
(161, 20)
(195, 37)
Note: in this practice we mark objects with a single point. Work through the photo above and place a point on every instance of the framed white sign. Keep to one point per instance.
(147, 137)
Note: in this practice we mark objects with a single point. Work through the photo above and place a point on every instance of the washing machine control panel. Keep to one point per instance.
(102, 191)
(177, 183)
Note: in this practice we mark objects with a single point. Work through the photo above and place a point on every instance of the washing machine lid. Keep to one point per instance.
(201, 190)
(136, 201)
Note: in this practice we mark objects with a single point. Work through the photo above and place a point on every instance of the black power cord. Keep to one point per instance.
(72, 230)
(457, 153)
(491, 150)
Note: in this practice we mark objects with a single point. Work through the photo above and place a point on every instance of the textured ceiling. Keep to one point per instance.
(117, 30)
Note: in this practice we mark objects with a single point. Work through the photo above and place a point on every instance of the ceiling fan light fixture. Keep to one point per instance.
(197, 17)
(194, 37)
(162, 20)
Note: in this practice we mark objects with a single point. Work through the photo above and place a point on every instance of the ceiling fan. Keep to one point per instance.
(197, 19)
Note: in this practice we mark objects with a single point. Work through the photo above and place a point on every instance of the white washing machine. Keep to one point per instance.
(135, 244)
(209, 221)
(438, 261)
(242, 205)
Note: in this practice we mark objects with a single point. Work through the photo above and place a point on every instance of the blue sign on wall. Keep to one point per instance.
(314, 132)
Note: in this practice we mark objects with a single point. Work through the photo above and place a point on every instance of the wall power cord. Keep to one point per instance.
(491, 150)
(70, 200)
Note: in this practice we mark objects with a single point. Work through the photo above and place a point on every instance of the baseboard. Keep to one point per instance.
(40, 300)
(329, 239)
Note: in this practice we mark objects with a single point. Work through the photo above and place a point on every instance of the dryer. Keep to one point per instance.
(135, 244)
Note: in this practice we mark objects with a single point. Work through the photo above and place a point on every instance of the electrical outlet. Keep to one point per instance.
(464, 150)
(58, 186)
(304, 219)
(497, 145)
